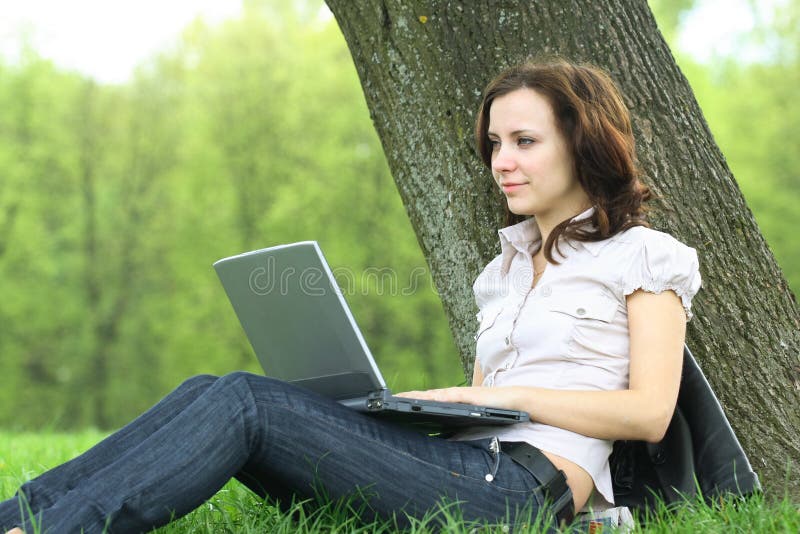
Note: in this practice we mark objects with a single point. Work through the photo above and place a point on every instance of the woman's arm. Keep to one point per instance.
(657, 326)
(477, 374)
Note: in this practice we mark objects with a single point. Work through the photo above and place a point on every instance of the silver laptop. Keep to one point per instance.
(302, 331)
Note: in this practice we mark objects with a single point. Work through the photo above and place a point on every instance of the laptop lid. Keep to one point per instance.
(290, 306)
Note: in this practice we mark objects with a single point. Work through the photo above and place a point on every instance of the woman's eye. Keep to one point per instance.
(494, 143)
(525, 141)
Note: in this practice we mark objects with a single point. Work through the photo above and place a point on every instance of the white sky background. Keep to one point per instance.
(106, 39)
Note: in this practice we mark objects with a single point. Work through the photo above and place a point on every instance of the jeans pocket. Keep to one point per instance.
(498, 472)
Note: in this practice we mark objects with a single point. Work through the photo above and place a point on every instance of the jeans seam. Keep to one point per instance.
(258, 436)
(263, 426)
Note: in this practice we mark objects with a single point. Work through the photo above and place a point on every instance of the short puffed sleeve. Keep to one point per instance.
(489, 284)
(657, 262)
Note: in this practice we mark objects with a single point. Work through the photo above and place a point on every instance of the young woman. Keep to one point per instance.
(581, 324)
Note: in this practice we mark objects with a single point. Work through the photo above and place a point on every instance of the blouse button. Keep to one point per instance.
(580, 311)
(508, 341)
(546, 291)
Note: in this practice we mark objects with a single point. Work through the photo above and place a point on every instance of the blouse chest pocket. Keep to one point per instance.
(486, 319)
(587, 319)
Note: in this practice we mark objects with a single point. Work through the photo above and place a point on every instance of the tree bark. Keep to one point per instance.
(422, 66)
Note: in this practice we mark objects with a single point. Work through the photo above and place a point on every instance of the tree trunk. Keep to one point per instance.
(97, 375)
(423, 64)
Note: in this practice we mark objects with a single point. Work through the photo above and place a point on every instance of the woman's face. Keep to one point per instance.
(531, 161)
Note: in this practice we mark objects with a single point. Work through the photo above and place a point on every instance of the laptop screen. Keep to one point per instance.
(301, 329)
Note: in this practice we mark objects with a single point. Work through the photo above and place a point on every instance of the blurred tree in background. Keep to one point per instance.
(751, 107)
(116, 199)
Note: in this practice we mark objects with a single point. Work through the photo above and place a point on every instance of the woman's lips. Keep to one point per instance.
(511, 187)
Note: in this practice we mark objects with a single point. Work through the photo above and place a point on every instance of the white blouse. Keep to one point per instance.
(570, 331)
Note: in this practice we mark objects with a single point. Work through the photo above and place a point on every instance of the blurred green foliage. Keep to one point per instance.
(116, 200)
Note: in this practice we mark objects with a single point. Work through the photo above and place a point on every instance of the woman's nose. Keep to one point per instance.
(502, 160)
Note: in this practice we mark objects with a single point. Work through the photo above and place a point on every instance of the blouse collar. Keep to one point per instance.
(526, 237)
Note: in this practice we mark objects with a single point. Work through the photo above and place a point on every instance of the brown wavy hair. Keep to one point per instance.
(596, 124)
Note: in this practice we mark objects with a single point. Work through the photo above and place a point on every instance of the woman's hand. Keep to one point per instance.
(465, 395)
(496, 397)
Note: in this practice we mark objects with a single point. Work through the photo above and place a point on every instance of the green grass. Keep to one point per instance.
(235, 510)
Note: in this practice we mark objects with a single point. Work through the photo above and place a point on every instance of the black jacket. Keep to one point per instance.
(699, 443)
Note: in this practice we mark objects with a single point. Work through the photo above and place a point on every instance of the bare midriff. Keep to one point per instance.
(578, 480)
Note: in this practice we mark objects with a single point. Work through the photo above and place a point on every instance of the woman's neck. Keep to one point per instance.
(548, 221)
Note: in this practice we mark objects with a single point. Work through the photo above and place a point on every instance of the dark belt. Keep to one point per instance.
(553, 481)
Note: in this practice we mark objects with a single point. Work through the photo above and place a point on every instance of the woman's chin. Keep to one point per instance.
(523, 211)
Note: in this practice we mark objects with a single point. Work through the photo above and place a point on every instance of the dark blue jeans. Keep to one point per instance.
(280, 441)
